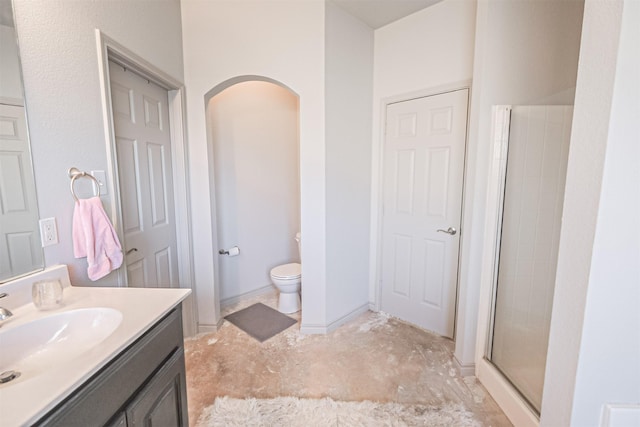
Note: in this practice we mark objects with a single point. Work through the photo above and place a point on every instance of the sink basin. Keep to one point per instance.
(43, 343)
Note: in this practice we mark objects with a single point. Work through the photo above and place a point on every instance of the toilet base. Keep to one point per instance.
(289, 303)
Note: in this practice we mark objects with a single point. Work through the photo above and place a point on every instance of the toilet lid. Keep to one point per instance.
(287, 271)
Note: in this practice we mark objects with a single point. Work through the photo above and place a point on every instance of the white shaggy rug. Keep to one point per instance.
(294, 412)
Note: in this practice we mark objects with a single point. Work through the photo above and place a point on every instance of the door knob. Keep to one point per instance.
(449, 230)
(131, 250)
(234, 251)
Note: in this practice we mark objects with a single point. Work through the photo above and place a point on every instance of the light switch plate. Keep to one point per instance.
(101, 176)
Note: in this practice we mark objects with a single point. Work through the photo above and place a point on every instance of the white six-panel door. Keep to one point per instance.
(20, 249)
(143, 147)
(423, 176)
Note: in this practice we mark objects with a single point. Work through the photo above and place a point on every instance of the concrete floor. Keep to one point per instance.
(373, 357)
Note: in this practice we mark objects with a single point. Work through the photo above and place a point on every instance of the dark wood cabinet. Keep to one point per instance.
(161, 402)
(144, 385)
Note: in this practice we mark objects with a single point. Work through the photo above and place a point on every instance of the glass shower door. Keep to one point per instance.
(528, 245)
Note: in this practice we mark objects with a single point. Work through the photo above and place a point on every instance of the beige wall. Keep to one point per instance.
(348, 85)
(325, 57)
(64, 106)
(10, 83)
(283, 41)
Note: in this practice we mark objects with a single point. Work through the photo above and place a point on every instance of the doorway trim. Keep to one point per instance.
(377, 183)
(110, 50)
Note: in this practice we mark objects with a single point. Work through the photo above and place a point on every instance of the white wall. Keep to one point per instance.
(429, 49)
(348, 85)
(526, 53)
(10, 83)
(285, 42)
(594, 346)
(64, 107)
(254, 132)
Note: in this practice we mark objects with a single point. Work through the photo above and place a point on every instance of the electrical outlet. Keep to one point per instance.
(48, 232)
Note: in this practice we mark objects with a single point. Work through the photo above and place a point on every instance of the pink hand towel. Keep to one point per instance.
(95, 238)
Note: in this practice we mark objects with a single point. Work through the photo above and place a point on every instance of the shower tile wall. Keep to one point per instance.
(534, 191)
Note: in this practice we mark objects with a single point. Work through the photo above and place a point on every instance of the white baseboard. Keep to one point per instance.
(203, 329)
(307, 329)
(468, 370)
(251, 294)
(313, 329)
(189, 320)
(509, 400)
(347, 318)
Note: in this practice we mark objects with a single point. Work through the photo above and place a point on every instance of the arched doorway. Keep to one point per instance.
(253, 143)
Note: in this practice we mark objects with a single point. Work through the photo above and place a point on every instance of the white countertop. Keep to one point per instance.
(24, 400)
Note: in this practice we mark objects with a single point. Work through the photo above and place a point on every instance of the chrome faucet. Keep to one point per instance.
(4, 313)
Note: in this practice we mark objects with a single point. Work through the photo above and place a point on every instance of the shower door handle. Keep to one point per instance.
(449, 230)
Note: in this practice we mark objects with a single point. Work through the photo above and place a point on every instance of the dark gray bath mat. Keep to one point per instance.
(260, 321)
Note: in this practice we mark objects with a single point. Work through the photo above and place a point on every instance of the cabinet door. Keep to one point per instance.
(119, 421)
(97, 402)
(163, 402)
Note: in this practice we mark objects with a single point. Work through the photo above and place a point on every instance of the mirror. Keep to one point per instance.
(20, 247)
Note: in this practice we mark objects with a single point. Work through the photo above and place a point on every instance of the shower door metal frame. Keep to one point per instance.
(519, 401)
(499, 387)
(503, 125)
(502, 128)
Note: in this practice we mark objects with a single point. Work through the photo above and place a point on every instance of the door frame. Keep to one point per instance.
(109, 49)
(377, 187)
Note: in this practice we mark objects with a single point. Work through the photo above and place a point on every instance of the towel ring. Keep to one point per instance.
(75, 173)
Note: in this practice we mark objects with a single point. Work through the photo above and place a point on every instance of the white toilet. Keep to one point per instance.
(287, 278)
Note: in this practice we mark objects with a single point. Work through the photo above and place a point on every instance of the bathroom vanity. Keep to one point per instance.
(144, 385)
(108, 356)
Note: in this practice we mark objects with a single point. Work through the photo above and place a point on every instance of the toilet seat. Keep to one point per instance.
(287, 271)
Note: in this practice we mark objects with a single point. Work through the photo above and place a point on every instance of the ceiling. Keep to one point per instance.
(374, 13)
(378, 13)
